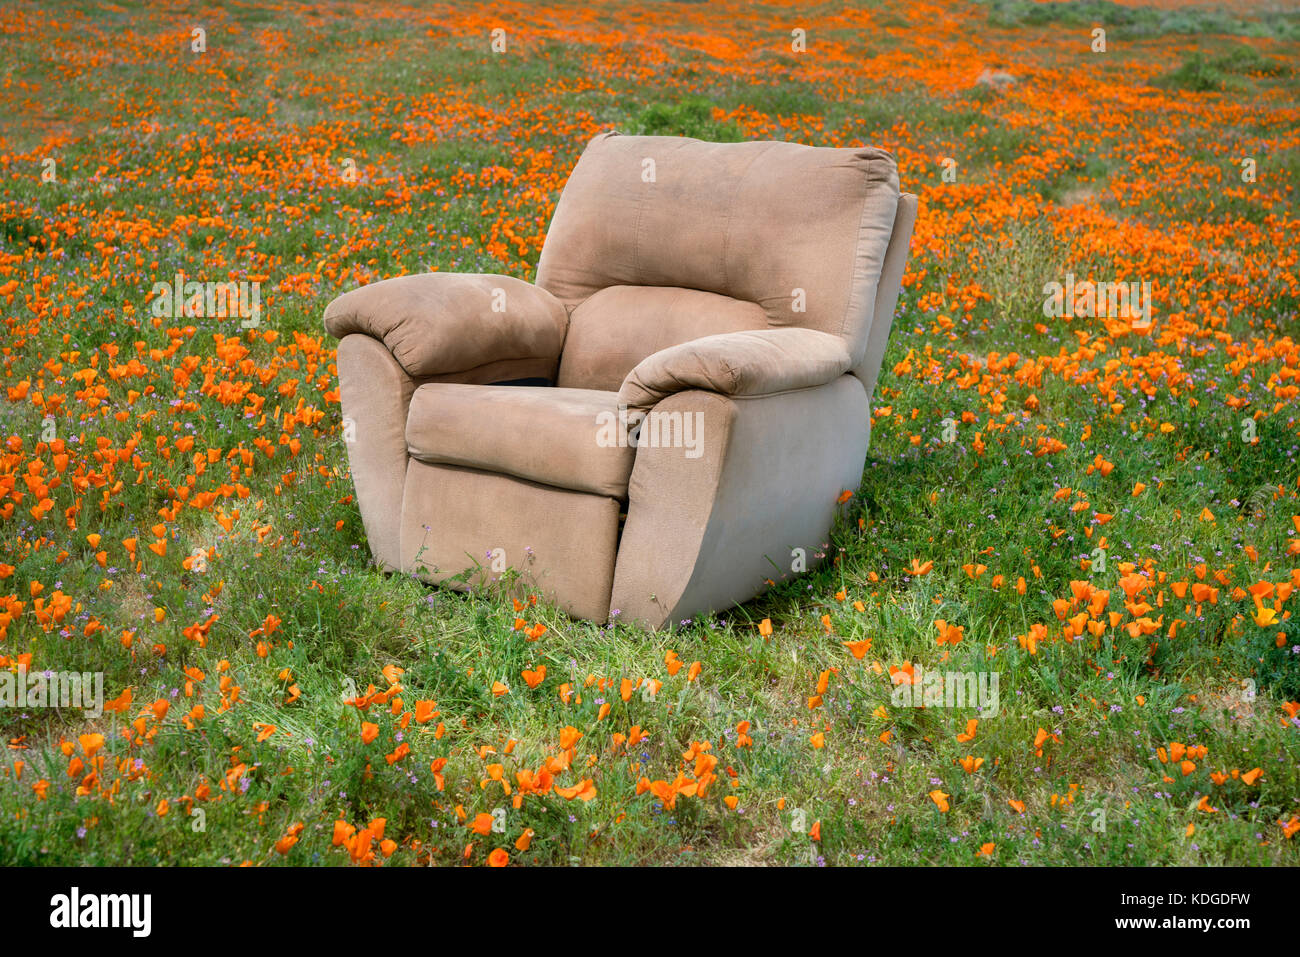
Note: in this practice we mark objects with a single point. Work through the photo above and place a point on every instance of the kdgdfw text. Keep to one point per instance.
(1156, 900)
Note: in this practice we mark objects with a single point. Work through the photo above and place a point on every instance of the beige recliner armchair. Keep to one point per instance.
(713, 318)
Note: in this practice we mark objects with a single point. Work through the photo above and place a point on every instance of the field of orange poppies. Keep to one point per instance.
(1094, 511)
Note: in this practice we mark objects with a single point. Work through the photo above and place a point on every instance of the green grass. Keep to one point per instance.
(1136, 19)
(691, 117)
(297, 551)
(1200, 74)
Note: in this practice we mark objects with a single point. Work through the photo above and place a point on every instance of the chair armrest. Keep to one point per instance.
(759, 362)
(375, 394)
(709, 520)
(454, 325)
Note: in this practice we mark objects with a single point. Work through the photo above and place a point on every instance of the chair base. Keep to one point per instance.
(464, 522)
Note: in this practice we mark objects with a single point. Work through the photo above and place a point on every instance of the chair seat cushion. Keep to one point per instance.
(565, 438)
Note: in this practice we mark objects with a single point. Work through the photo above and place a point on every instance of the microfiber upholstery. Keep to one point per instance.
(455, 522)
(738, 363)
(375, 393)
(566, 438)
(709, 319)
(621, 325)
(457, 326)
(708, 531)
(800, 231)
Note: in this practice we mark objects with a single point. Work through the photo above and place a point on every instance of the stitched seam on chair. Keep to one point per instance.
(636, 229)
(568, 324)
(482, 365)
(732, 374)
(640, 211)
(428, 458)
(807, 388)
(731, 210)
(756, 395)
(642, 203)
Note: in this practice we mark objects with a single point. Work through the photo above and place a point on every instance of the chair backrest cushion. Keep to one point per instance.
(619, 326)
(793, 235)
